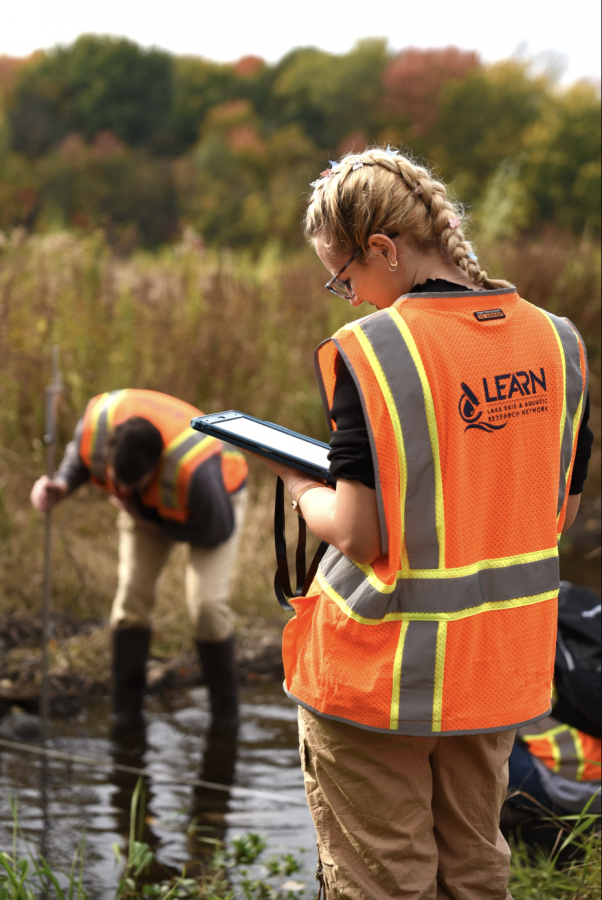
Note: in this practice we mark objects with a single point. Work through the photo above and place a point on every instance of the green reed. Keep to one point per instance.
(240, 871)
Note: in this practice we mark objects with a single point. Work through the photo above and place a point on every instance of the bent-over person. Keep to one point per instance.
(171, 485)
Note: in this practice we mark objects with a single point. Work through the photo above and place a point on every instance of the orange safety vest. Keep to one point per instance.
(473, 404)
(184, 449)
(567, 751)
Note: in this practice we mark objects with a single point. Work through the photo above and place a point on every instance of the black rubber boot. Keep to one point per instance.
(219, 669)
(130, 651)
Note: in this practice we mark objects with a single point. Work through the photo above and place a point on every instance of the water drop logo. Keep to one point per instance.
(471, 414)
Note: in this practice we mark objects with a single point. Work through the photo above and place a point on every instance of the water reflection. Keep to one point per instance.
(179, 743)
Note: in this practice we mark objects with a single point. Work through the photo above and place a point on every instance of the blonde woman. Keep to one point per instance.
(457, 411)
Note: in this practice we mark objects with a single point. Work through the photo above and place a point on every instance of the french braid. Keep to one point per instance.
(382, 191)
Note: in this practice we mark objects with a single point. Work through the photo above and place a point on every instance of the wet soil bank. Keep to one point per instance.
(80, 662)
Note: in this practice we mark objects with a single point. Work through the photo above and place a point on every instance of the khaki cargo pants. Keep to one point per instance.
(142, 555)
(407, 818)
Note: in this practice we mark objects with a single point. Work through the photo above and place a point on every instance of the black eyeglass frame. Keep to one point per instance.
(344, 290)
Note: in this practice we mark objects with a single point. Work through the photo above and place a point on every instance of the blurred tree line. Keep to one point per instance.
(106, 134)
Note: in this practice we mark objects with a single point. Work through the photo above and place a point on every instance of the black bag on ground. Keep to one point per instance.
(578, 662)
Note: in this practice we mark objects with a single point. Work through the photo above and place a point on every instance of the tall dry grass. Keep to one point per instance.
(221, 331)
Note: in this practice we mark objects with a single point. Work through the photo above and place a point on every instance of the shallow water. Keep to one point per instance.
(55, 809)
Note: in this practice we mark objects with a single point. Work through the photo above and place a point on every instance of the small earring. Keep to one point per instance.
(392, 265)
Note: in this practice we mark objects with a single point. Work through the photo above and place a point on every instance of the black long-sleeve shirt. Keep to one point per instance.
(350, 454)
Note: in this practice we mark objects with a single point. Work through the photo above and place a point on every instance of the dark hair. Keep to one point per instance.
(133, 449)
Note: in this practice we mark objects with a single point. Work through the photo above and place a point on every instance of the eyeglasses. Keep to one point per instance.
(342, 288)
(339, 287)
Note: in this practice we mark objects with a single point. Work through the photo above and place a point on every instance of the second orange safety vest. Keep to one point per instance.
(183, 449)
(564, 750)
(473, 404)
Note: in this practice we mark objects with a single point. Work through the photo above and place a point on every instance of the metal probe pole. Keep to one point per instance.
(52, 394)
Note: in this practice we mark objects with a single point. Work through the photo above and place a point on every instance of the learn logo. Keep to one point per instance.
(470, 412)
(511, 395)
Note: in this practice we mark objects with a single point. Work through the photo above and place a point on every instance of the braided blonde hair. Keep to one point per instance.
(382, 191)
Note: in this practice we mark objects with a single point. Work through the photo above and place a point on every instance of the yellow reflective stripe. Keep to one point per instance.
(550, 736)
(580, 754)
(394, 416)
(106, 404)
(179, 439)
(492, 606)
(439, 671)
(98, 409)
(432, 427)
(458, 572)
(394, 723)
(576, 424)
(111, 409)
(556, 755)
(563, 358)
(197, 450)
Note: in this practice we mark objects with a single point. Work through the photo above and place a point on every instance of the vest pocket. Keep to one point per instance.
(294, 633)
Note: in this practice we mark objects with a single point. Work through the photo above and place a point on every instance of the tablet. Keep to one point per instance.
(269, 440)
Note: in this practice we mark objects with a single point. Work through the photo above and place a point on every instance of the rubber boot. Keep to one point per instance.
(130, 651)
(219, 669)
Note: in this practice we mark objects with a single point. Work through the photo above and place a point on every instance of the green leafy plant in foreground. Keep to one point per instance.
(238, 871)
(235, 872)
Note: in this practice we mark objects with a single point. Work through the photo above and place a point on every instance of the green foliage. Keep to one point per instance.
(96, 84)
(540, 875)
(482, 121)
(103, 133)
(535, 875)
(126, 192)
(331, 97)
(560, 161)
(198, 86)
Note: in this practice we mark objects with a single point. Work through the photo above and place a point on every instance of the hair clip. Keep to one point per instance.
(357, 165)
(326, 173)
(472, 256)
(391, 152)
(455, 222)
(333, 163)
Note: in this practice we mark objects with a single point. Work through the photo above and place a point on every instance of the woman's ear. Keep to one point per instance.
(382, 245)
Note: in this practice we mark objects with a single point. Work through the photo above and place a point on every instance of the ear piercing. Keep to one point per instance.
(392, 265)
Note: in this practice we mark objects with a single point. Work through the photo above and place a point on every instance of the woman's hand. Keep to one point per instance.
(287, 473)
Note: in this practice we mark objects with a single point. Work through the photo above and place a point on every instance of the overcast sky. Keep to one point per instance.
(229, 29)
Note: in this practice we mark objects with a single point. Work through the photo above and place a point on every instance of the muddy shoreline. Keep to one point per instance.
(74, 684)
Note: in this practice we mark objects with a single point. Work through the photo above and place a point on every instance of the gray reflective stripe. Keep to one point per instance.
(459, 295)
(437, 595)
(574, 390)
(169, 469)
(556, 733)
(100, 437)
(407, 729)
(420, 525)
(569, 756)
(384, 532)
(417, 685)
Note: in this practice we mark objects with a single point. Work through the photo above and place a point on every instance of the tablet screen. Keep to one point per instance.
(272, 439)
